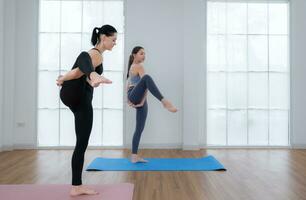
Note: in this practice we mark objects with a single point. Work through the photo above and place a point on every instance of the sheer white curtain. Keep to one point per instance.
(65, 30)
(248, 73)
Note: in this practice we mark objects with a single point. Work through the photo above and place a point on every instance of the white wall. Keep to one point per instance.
(173, 34)
(19, 82)
(298, 73)
(194, 120)
(25, 95)
(1, 69)
(8, 73)
(158, 27)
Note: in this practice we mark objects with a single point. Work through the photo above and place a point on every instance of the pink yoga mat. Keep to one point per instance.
(123, 191)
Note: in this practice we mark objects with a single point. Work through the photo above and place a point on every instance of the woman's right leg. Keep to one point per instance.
(146, 82)
(83, 115)
(83, 125)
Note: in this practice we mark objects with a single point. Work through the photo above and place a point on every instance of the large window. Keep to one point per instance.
(65, 30)
(248, 73)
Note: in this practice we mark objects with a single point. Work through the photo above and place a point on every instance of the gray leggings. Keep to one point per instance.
(135, 95)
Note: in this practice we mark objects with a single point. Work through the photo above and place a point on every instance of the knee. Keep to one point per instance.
(136, 136)
(147, 77)
(81, 147)
(140, 129)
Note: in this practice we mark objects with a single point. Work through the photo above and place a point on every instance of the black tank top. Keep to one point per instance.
(99, 68)
(82, 81)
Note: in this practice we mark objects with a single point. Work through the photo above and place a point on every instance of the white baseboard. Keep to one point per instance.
(17, 147)
(244, 147)
(191, 147)
(298, 146)
(24, 146)
(127, 146)
(152, 146)
(89, 148)
(6, 148)
(156, 146)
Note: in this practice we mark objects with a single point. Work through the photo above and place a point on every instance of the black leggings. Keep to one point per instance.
(83, 119)
(135, 95)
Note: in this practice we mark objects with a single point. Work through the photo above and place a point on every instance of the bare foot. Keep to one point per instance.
(82, 190)
(136, 159)
(168, 105)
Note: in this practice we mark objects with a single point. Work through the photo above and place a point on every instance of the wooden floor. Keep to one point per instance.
(251, 173)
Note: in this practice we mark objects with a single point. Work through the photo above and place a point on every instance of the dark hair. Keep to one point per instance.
(107, 30)
(131, 59)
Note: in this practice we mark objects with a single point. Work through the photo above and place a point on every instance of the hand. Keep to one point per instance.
(135, 105)
(59, 80)
(96, 79)
(92, 83)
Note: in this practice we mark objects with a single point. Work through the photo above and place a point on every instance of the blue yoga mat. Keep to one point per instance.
(208, 163)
